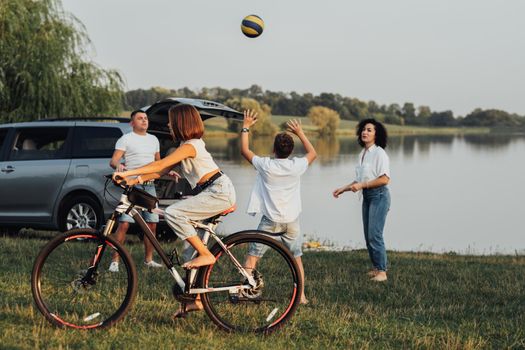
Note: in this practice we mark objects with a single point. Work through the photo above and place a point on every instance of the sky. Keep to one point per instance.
(446, 54)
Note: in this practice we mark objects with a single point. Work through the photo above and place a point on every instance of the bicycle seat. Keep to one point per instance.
(224, 213)
(229, 210)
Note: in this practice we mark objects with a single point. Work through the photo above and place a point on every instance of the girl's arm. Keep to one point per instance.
(181, 153)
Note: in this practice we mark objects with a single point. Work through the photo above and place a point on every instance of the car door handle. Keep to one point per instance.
(8, 169)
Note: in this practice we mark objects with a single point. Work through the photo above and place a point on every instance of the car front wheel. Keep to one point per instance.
(80, 212)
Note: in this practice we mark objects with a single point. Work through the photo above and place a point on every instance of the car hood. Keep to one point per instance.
(158, 112)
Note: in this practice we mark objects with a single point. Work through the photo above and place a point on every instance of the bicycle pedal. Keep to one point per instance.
(182, 297)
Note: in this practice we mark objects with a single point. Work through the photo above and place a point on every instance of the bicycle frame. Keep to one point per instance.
(125, 207)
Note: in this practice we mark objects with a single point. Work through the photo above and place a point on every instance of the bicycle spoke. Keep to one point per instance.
(70, 296)
(255, 309)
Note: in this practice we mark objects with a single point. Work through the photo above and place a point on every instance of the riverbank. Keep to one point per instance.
(217, 127)
(430, 301)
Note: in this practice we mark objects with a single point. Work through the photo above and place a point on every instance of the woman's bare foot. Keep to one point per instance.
(304, 301)
(190, 307)
(201, 260)
(379, 277)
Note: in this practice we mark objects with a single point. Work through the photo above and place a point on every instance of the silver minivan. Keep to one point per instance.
(52, 171)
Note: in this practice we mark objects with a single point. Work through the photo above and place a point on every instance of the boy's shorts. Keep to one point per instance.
(146, 215)
(291, 237)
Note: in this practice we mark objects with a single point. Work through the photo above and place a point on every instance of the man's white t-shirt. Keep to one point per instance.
(277, 190)
(139, 150)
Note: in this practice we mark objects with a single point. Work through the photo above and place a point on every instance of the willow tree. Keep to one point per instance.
(325, 119)
(45, 70)
(264, 125)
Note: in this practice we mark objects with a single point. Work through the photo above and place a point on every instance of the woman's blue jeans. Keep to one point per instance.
(376, 203)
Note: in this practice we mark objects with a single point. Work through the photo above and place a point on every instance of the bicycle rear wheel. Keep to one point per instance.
(72, 286)
(262, 308)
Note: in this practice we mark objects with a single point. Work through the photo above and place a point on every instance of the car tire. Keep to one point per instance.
(80, 212)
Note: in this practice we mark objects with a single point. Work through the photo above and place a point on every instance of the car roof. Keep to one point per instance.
(69, 122)
(157, 114)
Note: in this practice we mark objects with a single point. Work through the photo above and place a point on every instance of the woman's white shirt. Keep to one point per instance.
(193, 169)
(373, 163)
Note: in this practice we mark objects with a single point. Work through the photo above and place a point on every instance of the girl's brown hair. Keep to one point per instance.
(186, 122)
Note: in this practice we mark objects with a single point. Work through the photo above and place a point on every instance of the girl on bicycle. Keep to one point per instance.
(198, 167)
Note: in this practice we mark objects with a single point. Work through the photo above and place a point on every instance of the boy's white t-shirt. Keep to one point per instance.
(277, 189)
(139, 150)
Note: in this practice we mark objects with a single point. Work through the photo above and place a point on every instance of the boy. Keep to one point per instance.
(276, 193)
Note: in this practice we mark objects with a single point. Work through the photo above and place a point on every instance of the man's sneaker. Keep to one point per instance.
(152, 263)
(113, 267)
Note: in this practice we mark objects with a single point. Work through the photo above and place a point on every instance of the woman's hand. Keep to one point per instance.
(250, 118)
(118, 176)
(356, 186)
(338, 192)
(294, 126)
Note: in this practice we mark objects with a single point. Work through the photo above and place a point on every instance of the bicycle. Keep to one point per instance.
(72, 287)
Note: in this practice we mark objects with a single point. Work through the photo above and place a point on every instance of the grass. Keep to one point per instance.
(430, 301)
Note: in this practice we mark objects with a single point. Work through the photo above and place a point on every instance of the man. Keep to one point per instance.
(137, 149)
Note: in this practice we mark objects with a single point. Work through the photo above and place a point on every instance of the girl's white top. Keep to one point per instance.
(193, 169)
(373, 163)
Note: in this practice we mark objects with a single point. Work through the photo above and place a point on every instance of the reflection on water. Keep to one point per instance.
(449, 193)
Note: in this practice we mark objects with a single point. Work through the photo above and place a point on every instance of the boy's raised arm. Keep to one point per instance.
(295, 127)
(250, 118)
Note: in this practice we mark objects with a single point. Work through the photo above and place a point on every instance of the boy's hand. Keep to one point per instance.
(294, 126)
(250, 118)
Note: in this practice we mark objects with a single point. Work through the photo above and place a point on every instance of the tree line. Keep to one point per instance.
(348, 108)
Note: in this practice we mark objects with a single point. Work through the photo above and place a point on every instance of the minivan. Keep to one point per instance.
(52, 171)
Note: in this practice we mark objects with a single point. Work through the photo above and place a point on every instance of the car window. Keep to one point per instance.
(40, 143)
(95, 142)
(3, 137)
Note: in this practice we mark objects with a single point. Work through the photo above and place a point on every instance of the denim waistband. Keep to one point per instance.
(376, 190)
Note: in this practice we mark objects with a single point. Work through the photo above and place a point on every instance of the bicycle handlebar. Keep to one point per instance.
(122, 184)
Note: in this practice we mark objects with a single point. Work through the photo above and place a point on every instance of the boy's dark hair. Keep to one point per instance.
(136, 112)
(381, 134)
(283, 145)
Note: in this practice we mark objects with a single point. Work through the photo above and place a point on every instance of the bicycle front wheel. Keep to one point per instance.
(261, 308)
(72, 286)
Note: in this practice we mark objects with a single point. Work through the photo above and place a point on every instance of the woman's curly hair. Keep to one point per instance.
(381, 134)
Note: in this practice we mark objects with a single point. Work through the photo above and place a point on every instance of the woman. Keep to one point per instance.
(217, 192)
(372, 177)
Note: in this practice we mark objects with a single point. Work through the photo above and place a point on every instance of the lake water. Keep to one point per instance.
(462, 194)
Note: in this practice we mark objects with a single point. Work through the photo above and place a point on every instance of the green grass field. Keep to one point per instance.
(430, 301)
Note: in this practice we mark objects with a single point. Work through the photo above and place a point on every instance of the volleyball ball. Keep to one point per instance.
(252, 26)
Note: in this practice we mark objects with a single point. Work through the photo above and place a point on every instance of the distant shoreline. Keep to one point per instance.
(217, 127)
